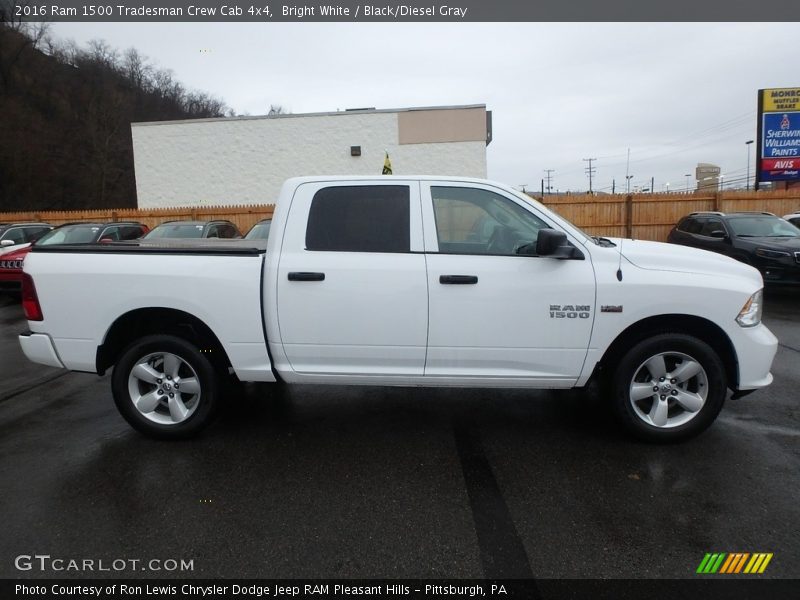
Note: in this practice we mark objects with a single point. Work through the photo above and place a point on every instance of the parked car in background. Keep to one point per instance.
(11, 269)
(759, 239)
(194, 230)
(90, 233)
(72, 233)
(259, 231)
(793, 218)
(14, 235)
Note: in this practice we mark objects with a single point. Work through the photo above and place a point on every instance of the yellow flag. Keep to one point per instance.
(387, 165)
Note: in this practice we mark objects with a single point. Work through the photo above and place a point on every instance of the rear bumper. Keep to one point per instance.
(38, 348)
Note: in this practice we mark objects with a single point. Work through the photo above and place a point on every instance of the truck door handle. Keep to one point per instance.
(304, 276)
(459, 279)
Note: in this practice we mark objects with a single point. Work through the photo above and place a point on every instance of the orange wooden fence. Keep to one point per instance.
(651, 216)
(643, 216)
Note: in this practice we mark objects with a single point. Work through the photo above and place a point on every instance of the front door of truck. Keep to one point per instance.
(352, 290)
(494, 313)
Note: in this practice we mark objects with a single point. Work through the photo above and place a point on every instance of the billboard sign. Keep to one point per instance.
(780, 150)
(779, 134)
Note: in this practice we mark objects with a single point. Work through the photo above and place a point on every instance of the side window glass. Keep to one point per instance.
(694, 225)
(475, 221)
(711, 225)
(34, 233)
(363, 218)
(130, 232)
(213, 231)
(110, 233)
(15, 234)
(227, 231)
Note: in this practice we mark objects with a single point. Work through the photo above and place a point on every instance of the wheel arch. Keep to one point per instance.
(146, 321)
(699, 327)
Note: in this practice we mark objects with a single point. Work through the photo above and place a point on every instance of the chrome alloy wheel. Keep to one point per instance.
(668, 389)
(164, 388)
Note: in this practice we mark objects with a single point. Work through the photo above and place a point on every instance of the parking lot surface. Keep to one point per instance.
(340, 482)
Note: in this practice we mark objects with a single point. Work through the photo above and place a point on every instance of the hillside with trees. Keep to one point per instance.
(65, 116)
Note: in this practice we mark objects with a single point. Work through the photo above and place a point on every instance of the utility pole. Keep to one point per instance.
(549, 187)
(652, 184)
(628, 183)
(590, 170)
(613, 186)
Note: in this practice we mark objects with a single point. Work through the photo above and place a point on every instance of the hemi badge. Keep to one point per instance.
(611, 308)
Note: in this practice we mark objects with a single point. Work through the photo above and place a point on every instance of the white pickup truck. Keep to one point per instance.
(410, 281)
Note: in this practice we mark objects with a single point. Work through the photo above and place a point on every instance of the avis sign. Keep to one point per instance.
(779, 135)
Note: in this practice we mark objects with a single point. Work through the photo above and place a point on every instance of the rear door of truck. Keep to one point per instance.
(352, 291)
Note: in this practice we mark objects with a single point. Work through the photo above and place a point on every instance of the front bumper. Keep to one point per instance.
(38, 347)
(755, 350)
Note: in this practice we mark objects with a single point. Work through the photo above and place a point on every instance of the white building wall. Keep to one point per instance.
(245, 160)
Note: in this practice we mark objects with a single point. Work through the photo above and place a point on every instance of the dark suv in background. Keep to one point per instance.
(760, 239)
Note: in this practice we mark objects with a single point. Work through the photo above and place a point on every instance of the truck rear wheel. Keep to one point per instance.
(668, 388)
(165, 387)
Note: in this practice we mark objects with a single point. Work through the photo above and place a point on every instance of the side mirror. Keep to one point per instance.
(6, 243)
(553, 243)
(719, 234)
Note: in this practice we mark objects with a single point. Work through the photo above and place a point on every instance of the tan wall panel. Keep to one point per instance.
(445, 125)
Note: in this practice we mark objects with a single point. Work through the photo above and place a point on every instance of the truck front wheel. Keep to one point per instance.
(165, 387)
(668, 388)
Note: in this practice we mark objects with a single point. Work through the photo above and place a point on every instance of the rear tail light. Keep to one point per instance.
(30, 301)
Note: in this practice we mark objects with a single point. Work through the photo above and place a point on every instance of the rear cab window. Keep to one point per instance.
(363, 218)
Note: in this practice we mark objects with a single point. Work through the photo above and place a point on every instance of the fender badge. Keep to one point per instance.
(611, 308)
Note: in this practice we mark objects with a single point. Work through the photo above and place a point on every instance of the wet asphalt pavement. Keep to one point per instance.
(374, 482)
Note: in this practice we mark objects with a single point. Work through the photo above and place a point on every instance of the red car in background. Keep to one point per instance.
(71, 233)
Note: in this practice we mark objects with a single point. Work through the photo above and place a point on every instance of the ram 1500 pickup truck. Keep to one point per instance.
(410, 281)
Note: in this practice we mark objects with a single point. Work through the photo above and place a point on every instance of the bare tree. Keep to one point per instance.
(277, 109)
(16, 36)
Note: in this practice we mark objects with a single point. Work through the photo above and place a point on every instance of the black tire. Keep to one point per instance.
(713, 379)
(201, 406)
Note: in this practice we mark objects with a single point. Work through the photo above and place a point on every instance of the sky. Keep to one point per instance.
(675, 94)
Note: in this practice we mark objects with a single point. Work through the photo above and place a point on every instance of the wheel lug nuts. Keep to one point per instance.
(160, 391)
(673, 380)
(661, 378)
(176, 386)
(674, 392)
(169, 377)
(662, 397)
(171, 395)
(655, 388)
(158, 381)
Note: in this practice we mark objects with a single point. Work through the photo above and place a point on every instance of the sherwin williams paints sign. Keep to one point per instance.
(779, 134)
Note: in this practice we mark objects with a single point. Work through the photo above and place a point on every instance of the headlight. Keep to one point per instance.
(765, 253)
(750, 315)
